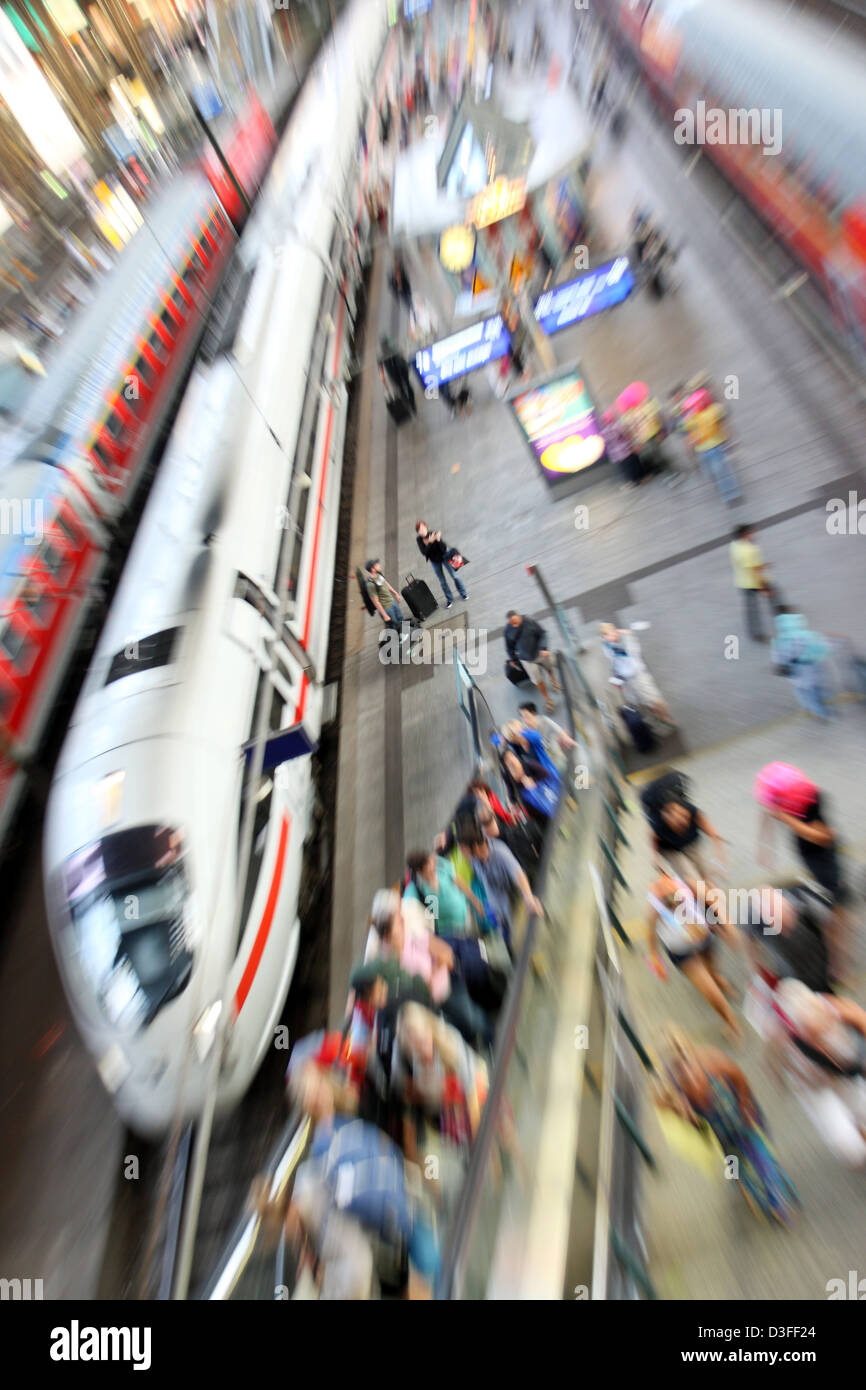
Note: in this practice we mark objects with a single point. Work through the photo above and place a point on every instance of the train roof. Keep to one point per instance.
(769, 56)
(96, 348)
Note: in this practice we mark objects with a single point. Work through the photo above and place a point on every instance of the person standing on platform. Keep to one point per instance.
(383, 596)
(750, 577)
(394, 369)
(434, 549)
(619, 449)
(398, 282)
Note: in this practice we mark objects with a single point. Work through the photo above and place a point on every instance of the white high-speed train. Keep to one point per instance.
(216, 644)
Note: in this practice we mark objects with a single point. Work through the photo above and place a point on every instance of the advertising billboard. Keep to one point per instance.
(559, 422)
(466, 351)
(589, 294)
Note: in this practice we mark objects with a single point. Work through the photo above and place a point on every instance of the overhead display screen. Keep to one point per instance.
(463, 352)
(559, 422)
(589, 294)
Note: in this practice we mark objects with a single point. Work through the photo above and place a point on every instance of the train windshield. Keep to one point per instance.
(126, 895)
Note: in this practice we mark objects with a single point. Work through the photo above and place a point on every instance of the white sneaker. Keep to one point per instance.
(450, 603)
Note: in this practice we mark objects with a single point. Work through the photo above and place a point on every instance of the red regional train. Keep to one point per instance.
(741, 55)
(70, 471)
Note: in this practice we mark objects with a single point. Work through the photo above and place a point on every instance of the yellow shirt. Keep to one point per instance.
(644, 422)
(747, 562)
(707, 428)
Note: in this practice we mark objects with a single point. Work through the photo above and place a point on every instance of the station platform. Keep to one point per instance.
(659, 555)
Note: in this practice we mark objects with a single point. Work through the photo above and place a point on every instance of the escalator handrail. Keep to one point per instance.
(470, 1196)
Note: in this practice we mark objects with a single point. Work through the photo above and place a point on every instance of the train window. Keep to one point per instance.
(115, 426)
(214, 227)
(178, 301)
(263, 790)
(100, 454)
(167, 320)
(143, 370)
(39, 605)
(16, 644)
(275, 719)
(69, 532)
(200, 257)
(145, 654)
(157, 346)
(190, 276)
(134, 962)
(52, 559)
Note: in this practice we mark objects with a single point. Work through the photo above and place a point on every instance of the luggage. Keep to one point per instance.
(399, 409)
(778, 786)
(641, 735)
(418, 598)
(515, 672)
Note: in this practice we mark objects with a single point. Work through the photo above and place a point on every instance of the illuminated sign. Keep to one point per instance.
(560, 425)
(498, 200)
(463, 352)
(457, 248)
(589, 294)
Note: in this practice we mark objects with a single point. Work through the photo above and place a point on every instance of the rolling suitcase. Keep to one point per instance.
(516, 672)
(399, 410)
(641, 735)
(418, 598)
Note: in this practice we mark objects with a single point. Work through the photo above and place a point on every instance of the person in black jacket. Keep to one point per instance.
(525, 641)
(434, 549)
(394, 369)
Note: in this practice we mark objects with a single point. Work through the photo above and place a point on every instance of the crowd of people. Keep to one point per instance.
(643, 438)
(395, 1097)
(793, 944)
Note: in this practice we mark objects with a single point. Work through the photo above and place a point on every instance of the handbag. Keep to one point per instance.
(455, 559)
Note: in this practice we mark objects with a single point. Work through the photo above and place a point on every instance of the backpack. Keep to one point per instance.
(362, 585)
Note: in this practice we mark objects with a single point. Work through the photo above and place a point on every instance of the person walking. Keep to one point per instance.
(438, 554)
(677, 827)
(525, 642)
(802, 655)
(709, 436)
(750, 577)
(679, 918)
(705, 1087)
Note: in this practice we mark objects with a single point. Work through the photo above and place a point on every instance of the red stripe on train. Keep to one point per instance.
(308, 616)
(266, 923)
